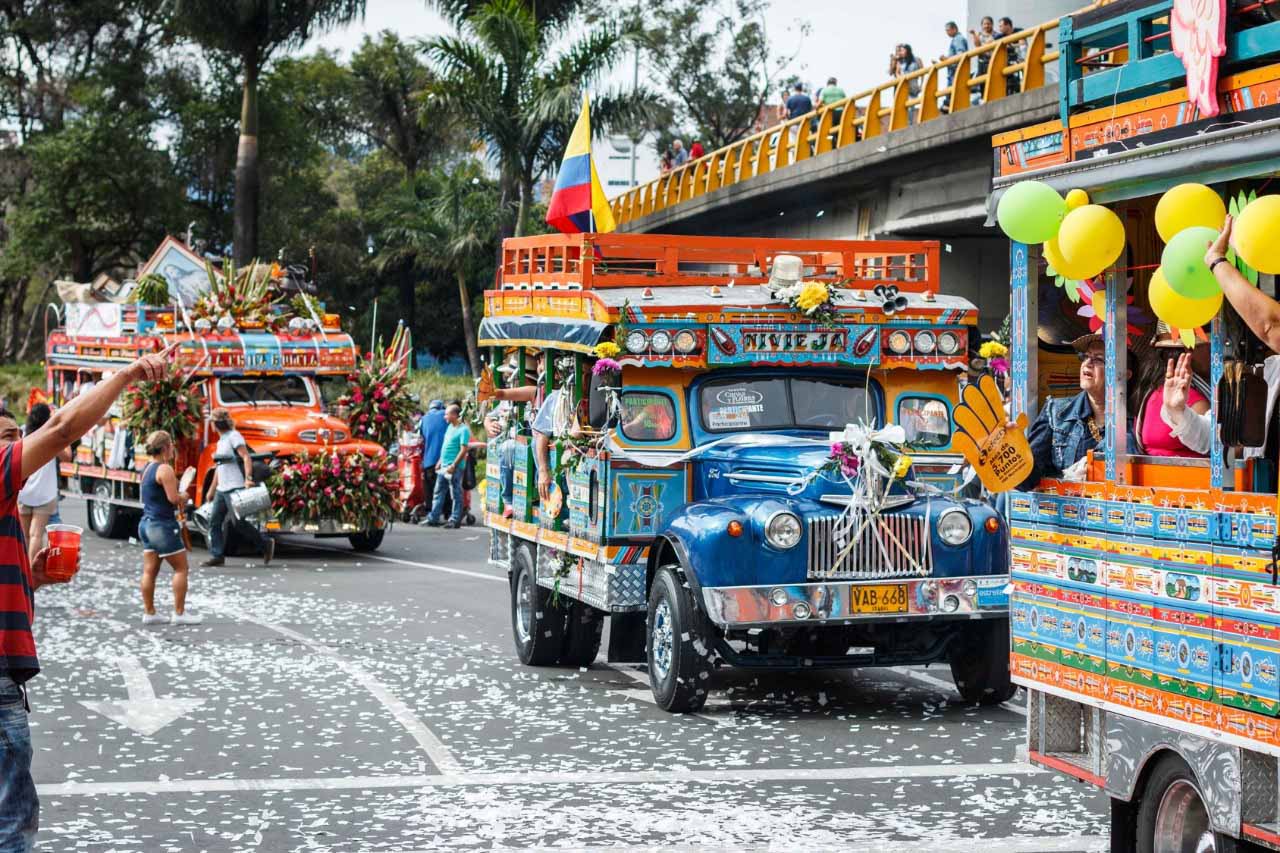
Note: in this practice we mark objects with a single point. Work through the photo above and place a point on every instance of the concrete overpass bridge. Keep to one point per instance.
(883, 163)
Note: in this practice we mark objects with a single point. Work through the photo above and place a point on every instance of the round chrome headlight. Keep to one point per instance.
(899, 343)
(637, 342)
(660, 342)
(948, 343)
(926, 343)
(686, 341)
(783, 531)
(954, 527)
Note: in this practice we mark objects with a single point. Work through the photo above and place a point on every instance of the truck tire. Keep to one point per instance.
(367, 541)
(537, 625)
(679, 651)
(584, 629)
(979, 659)
(107, 519)
(1172, 815)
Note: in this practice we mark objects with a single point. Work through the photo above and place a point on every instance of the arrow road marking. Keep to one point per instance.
(142, 712)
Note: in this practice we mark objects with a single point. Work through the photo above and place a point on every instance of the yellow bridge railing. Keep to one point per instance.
(865, 115)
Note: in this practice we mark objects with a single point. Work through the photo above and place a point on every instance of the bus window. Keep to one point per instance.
(647, 416)
(925, 420)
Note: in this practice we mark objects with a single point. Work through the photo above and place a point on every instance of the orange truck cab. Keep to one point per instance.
(278, 387)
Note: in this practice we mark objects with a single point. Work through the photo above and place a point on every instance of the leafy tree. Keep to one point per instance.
(715, 61)
(249, 32)
(518, 82)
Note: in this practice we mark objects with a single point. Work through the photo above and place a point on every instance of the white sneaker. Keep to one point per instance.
(186, 619)
(154, 619)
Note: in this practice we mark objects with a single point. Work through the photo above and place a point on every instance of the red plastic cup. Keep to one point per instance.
(64, 551)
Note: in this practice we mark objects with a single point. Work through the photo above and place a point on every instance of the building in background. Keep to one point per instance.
(613, 156)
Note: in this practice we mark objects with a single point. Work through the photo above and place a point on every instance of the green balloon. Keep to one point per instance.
(1184, 266)
(1030, 212)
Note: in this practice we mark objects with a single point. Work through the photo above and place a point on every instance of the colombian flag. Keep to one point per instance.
(578, 203)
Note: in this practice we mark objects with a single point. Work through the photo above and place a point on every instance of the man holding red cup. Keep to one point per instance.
(19, 578)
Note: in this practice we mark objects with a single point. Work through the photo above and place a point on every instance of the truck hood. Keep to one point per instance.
(772, 464)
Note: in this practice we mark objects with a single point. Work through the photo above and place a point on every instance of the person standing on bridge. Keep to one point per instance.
(21, 458)
(957, 45)
(1013, 55)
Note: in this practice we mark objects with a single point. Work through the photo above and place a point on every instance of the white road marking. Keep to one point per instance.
(571, 777)
(142, 711)
(430, 744)
(924, 678)
(398, 561)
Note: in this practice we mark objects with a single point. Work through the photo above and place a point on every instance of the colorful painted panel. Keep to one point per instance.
(641, 501)
(785, 344)
(586, 499)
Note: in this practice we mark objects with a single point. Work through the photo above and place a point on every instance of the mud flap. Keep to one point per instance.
(627, 637)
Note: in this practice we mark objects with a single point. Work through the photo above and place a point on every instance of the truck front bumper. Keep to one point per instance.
(849, 602)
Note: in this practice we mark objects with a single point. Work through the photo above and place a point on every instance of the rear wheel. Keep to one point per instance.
(1172, 815)
(584, 629)
(367, 541)
(537, 625)
(980, 662)
(679, 651)
(107, 519)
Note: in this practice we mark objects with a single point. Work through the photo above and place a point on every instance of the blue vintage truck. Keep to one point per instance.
(683, 487)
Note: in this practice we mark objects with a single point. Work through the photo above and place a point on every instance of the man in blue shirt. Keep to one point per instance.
(798, 104)
(959, 44)
(452, 463)
(432, 426)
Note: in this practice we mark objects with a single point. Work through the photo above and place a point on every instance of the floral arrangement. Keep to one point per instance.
(816, 300)
(605, 353)
(348, 487)
(169, 404)
(881, 452)
(997, 357)
(378, 402)
(151, 289)
(241, 297)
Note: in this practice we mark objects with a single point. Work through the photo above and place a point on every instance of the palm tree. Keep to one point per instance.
(517, 80)
(249, 32)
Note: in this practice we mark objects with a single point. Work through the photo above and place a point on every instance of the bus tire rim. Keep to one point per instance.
(101, 509)
(524, 607)
(663, 640)
(1182, 822)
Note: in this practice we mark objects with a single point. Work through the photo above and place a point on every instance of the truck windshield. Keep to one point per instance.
(264, 391)
(732, 405)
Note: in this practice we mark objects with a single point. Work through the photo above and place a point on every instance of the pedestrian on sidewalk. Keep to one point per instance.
(38, 500)
(20, 458)
(453, 455)
(233, 472)
(160, 532)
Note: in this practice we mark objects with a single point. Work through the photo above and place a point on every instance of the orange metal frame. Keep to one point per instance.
(601, 261)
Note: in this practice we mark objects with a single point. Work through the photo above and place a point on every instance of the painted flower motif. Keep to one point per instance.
(811, 295)
(606, 350)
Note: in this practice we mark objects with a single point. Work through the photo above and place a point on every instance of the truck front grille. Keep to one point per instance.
(890, 546)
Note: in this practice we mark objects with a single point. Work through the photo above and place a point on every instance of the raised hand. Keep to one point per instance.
(151, 367)
(1177, 382)
(1219, 247)
(996, 447)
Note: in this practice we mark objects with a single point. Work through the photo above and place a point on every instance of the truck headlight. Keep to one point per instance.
(783, 531)
(954, 527)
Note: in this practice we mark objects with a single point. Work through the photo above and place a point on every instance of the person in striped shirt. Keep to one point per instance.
(21, 576)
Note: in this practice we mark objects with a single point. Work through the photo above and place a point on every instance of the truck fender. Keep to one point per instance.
(664, 548)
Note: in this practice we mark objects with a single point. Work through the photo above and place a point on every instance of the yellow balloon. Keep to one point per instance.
(1177, 310)
(1091, 239)
(1059, 264)
(1186, 205)
(1077, 198)
(1256, 234)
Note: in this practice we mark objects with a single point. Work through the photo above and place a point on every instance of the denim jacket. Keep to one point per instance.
(1059, 436)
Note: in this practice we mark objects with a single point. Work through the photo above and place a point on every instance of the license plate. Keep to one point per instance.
(878, 598)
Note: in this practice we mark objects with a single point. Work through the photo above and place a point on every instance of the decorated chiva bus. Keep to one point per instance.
(1145, 607)
(277, 372)
(740, 452)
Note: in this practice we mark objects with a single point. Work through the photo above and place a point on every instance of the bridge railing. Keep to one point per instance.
(883, 109)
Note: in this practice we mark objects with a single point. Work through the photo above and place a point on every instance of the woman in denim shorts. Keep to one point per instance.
(161, 533)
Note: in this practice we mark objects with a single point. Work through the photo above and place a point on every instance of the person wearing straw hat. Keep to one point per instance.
(20, 458)
(161, 533)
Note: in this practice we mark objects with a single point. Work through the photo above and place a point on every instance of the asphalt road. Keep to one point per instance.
(344, 702)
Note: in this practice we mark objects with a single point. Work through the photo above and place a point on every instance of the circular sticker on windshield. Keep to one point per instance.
(739, 397)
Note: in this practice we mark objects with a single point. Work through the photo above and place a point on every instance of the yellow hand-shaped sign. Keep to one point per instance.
(998, 451)
(484, 386)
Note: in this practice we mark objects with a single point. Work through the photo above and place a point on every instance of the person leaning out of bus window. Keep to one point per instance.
(1067, 429)
(1174, 418)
